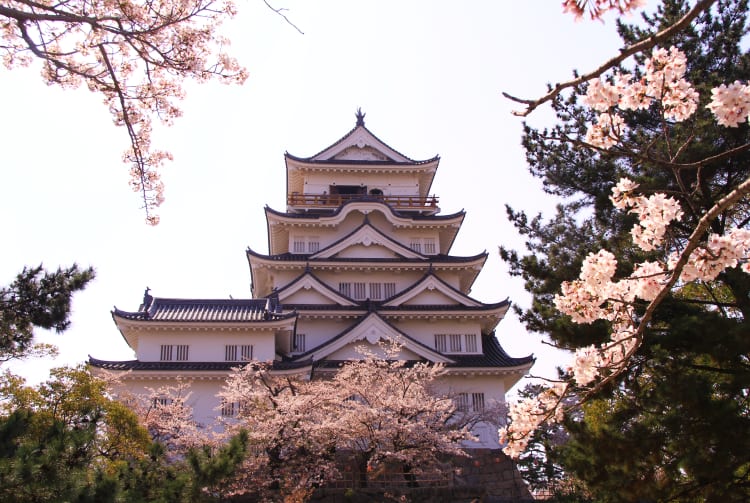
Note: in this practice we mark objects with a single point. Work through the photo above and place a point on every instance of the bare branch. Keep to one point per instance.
(625, 53)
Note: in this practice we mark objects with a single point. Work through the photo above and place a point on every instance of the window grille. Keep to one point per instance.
(161, 401)
(298, 344)
(313, 246)
(166, 352)
(462, 402)
(246, 352)
(360, 291)
(440, 343)
(182, 352)
(471, 343)
(345, 289)
(230, 353)
(477, 402)
(299, 246)
(416, 245)
(375, 291)
(455, 340)
(228, 409)
(429, 246)
(389, 290)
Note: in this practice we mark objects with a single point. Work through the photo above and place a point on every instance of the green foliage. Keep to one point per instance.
(37, 298)
(66, 440)
(674, 427)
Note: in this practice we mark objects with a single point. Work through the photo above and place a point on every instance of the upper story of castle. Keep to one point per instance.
(360, 167)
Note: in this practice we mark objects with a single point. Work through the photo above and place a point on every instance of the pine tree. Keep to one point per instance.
(674, 426)
(37, 298)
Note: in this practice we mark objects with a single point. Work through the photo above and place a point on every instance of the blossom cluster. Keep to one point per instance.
(135, 54)
(596, 295)
(663, 83)
(597, 8)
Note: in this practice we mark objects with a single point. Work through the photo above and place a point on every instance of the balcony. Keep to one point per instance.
(332, 201)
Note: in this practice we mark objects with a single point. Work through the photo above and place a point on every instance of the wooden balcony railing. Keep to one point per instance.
(336, 200)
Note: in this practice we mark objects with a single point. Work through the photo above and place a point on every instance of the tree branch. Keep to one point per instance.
(625, 53)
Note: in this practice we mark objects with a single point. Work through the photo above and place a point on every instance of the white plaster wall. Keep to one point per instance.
(205, 345)
(424, 330)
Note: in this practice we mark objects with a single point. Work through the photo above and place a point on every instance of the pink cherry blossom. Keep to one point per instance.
(730, 104)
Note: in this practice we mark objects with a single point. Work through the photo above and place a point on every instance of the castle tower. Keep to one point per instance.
(360, 254)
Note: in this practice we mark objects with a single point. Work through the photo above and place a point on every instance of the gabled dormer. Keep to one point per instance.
(360, 166)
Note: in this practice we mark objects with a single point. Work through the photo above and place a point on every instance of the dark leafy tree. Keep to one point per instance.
(37, 298)
(673, 426)
(66, 440)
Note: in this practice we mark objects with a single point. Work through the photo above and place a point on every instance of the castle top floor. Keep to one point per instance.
(360, 166)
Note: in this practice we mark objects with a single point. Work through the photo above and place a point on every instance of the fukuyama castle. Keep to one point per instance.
(360, 254)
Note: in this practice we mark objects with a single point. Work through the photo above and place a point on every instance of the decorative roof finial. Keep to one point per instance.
(360, 117)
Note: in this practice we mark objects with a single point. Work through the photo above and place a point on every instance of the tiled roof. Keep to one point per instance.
(494, 356)
(204, 310)
(329, 213)
(187, 366)
(358, 125)
(433, 259)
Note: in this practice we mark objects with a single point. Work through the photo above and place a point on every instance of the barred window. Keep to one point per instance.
(440, 343)
(389, 290)
(462, 402)
(455, 340)
(477, 402)
(298, 344)
(246, 352)
(313, 245)
(166, 352)
(375, 291)
(182, 352)
(230, 353)
(416, 245)
(471, 343)
(299, 245)
(360, 291)
(228, 409)
(429, 246)
(345, 289)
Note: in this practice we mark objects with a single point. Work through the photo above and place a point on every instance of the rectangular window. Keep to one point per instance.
(429, 246)
(161, 401)
(416, 245)
(166, 352)
(477, 402)
(440, 343)
(462, 402)
(230, 353)
(228, 409)
(389, 290)
(455, 340)
(182, 352)
(298, 246)
(246, 351)
(471, 343)
(298, 344)
(313, 245)
(345, 289)
(375, 291)
(360, 292)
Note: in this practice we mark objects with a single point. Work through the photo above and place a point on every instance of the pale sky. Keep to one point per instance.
(428, 74)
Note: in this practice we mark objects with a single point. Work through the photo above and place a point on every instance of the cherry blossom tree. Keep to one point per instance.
(135, 54)
(375, 412)
(680, 146)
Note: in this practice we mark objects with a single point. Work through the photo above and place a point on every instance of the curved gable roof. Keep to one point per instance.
(309, 280)
(373, 327)
(361, 138)
(367, 235)
(430, 281)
